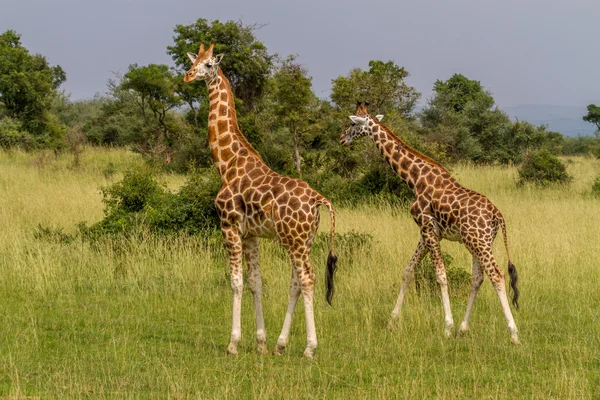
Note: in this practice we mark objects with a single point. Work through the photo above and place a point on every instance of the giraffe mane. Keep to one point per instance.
(236, 129)
(407, 147)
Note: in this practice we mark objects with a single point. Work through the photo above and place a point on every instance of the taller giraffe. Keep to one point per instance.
(443, 209)
(254, 201)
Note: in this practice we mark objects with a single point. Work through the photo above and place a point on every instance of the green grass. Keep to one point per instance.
(151, 318)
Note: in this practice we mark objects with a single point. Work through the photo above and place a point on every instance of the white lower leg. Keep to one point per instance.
(283, 339)
(406, 279)
(449, 322)
(261, 335)
(236, 326)
(464, 326)
(311, 333)
(475, 285)
(510, 322)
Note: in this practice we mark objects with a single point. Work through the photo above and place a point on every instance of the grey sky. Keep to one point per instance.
(524, 52)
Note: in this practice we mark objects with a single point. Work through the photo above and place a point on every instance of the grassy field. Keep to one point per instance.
(154, 321)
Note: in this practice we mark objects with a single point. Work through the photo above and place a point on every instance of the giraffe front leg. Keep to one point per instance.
(432, 242)
(307, 283)
(407, 278)
(287, 322)
(234, 247)
(476, 282)
(250, 247)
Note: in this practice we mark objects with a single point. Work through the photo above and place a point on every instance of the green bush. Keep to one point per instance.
(375, 186)
(139, 203)
(543, 168)
(596, 187)
(459, 280)
(12, 134)
(387, 186)
(52, 235)
(346, 244)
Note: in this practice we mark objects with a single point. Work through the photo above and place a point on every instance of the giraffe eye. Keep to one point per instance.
(208, 65)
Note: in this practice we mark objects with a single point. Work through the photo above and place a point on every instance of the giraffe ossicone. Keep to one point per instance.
(443, 209)
(254, 202)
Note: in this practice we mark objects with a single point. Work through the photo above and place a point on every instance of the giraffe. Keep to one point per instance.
(256, 202)
(443, 209)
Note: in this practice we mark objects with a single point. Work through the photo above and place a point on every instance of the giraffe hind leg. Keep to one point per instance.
(497, 277)
(476, 281)
(284, 336)
(302, 282)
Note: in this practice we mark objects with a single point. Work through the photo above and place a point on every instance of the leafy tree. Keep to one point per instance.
(153, 89)
(383, 86)
(247, 64)
(27, 85)
(118, 121)
(462, 117)
(459, 90)
(593, 116)
(293, 96)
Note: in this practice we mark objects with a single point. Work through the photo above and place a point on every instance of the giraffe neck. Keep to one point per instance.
(224, 136)
(408, 163)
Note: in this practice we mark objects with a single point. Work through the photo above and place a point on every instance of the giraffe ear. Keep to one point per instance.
(379, 117)
(358, 120)
(192, 56)
(218, 58)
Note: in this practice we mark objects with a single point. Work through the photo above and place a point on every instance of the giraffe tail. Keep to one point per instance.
(332, 258)
(512, 270)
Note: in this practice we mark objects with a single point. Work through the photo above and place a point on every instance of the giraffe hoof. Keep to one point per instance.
(392, 324)
(515, 340)
(232, 349)
(448, 331)
(278, 351)
(464, 328)
(262, 349)
(309, 353)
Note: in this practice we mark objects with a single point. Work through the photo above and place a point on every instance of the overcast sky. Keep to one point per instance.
(523, 51)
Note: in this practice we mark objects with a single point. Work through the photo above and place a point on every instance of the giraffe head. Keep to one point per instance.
(204, 66)
(362, 123)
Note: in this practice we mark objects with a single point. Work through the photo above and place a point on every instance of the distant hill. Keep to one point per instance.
(564, 119)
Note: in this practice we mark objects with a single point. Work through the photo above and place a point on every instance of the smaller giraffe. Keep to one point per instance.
(254, 202)
(443, 209)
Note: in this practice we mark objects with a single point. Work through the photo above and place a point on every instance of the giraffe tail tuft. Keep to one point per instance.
(512, 270)
(329, 274)
(514, 278)
(332, 258)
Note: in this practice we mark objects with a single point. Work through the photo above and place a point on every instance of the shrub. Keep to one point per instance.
(543, 168)
(459, 280)
(347, 243)
(52, 235)
(132, 193)
(596, 187)
(12, 134)
(375, 186)
(139, 203)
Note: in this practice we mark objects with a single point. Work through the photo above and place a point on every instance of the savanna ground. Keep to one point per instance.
(151, 318)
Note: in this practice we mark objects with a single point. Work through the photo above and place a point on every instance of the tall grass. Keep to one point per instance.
(151, 318)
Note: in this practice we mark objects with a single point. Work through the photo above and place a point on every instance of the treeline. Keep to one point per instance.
(151, 110)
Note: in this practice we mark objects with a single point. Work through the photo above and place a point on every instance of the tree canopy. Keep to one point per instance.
(593, 116)
(27, 86)
(246, 64)
(382, 85)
